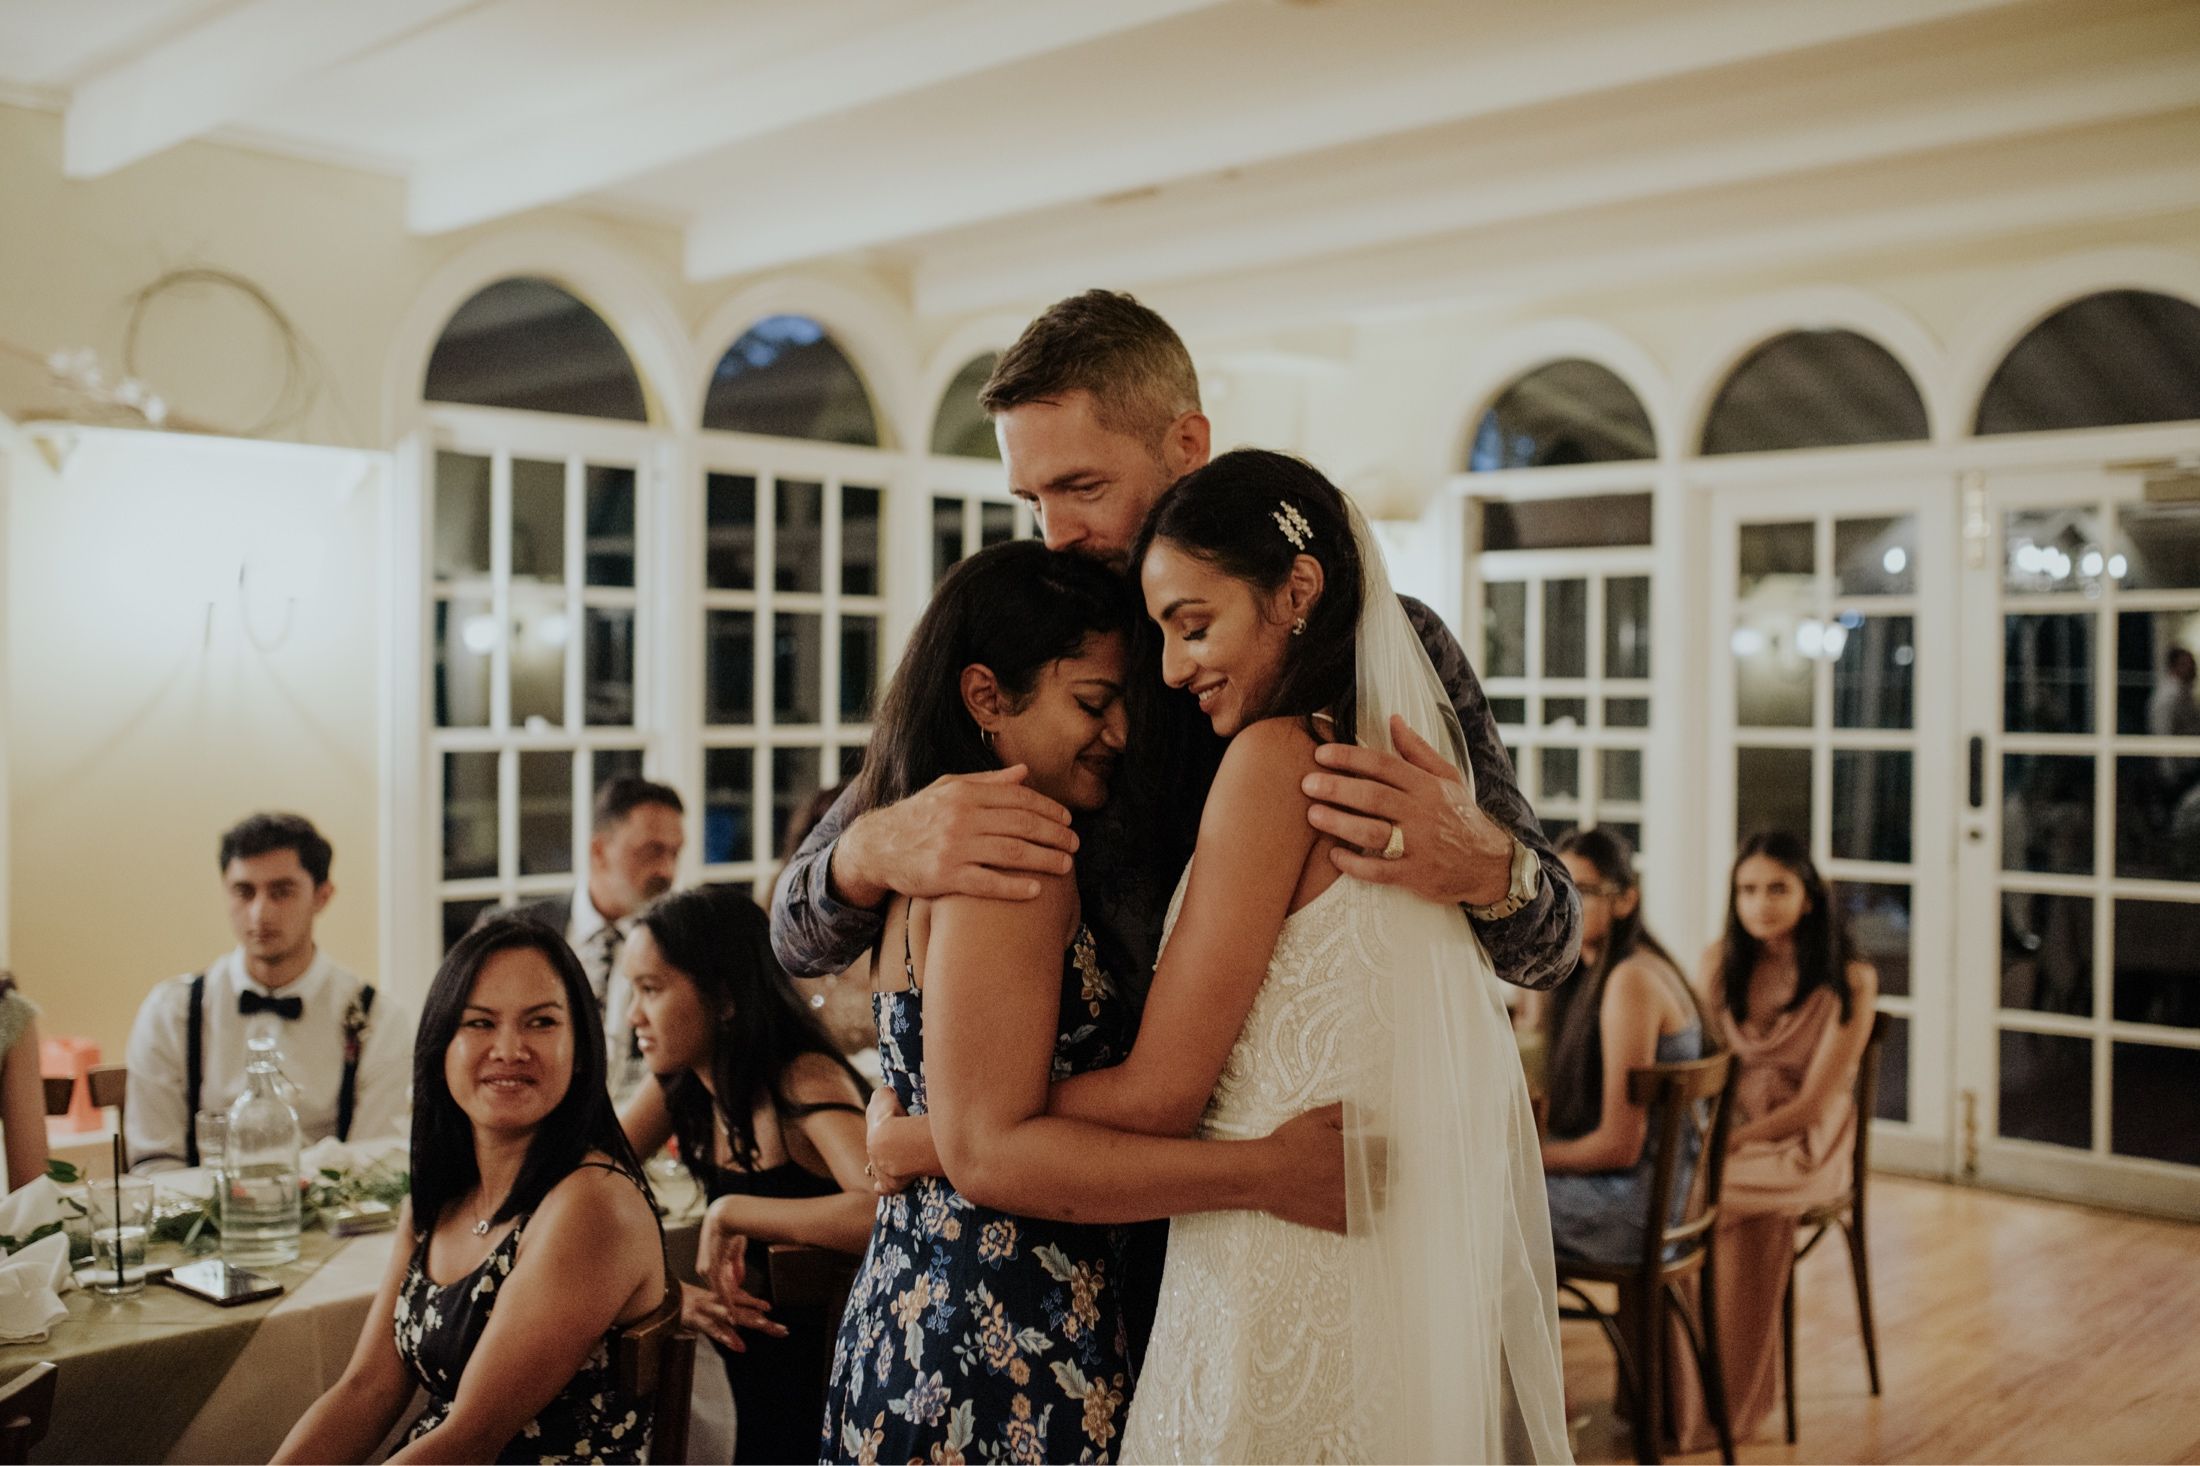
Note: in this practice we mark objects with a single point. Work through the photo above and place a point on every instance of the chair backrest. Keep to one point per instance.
(26, 1410)
(815, 1277)
(108, 1085)
(653, 1359)
(60, 1093)
(1867, 1101)
(1687, 1099)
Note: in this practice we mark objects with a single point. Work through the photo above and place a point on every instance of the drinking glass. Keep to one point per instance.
(122, 1217)
(212, 1130)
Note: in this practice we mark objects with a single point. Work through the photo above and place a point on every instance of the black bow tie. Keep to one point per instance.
(250, 1002)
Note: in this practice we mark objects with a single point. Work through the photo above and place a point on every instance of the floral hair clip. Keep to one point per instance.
(1293, 524)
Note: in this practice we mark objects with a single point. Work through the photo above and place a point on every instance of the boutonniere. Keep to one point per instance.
(355, 1029)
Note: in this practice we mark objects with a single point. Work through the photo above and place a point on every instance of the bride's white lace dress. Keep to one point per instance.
(1251, 1353)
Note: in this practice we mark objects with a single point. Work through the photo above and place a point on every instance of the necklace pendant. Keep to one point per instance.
(481, 1229)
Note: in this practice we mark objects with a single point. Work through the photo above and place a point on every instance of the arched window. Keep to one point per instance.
(960, 428)
(2119, 357)
(531, 344)
(1815, 389)
(1570, 411)
(787, 378)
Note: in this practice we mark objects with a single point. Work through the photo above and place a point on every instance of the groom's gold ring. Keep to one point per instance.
(1395, 847)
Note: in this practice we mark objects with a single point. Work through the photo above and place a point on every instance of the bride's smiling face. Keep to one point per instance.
(1223, 640)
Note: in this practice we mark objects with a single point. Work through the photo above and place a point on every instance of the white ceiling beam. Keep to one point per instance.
(220, 70)
(924, 47)
(1235, 106)
(1452, 188)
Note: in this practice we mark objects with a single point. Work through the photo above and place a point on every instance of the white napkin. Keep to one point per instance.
(30, 1206)
(30, 1289)
(331, 1154)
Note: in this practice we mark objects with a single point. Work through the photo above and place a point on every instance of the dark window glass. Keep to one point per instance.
(798, 539)
(2157, 819)
(1815, 389)
(1771, 791)
(729, 805)
(1879, 920)
(538, 520)
(786, 378)
(614, 763)
(1565, 628)
(2047, 1088)
(469, 815)
(947, 535)
(1627, 712)
(1627, 626)
(960, 429)
(466, 636)
(459, 918)
(858, 667)
(607, 687)
(1561, 772)
(1565, 524)
(529, 344)
(2123, 356)
(2153, 696)
(2047, 674)
(1567, 712)
(2047, 813)
(2157, 546)
(795, 783)
(1619, 774)
(859, 529)
(729, 667)
(729, 555)
(1894, 1071)
(545, 813)
(2047, 953)
(798, 669)
(2157, 980)
(1509, 712)
(1874, 658)
(1505, 628)
(1875, 557)
(1569, 411)
(609, 532)
(2155, 1109)
(1871, 805)
(996, 524)
(541, 637)
(461, 516)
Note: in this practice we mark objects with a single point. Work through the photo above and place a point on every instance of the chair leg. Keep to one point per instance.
(1713, 1362)
(1649, 1312)
(1787, 1350)
(1860, 1265)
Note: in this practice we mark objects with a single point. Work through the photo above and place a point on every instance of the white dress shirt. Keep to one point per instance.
(312, 1050)
(585, 931)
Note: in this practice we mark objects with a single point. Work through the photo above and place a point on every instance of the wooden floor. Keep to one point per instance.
(2009, 1330)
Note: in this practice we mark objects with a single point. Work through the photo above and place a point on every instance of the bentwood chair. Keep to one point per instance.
(1845, 1211)
(653, 1359)
(26, 1410)
(810, 1285)
(1686, 1101)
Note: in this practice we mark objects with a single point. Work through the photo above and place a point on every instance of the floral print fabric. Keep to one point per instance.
(971, 1334)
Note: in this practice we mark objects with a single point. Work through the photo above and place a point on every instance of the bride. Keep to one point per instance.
(1428, 1331)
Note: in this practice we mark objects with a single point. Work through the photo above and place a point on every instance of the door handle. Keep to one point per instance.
(1978, 772)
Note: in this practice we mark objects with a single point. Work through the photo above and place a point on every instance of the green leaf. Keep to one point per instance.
(62, 1173)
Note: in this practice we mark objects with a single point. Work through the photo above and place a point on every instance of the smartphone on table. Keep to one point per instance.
(222, 1284)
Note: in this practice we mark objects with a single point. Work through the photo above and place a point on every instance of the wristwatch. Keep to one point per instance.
(1527, 879)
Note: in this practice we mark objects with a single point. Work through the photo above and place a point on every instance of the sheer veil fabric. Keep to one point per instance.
(1454, 1333)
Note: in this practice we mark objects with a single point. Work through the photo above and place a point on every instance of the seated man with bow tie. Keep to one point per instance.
(346, 1048)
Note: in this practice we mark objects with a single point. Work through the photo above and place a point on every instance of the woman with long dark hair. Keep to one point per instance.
(769, 1119)
(1785, 993)
(1625, 1007)
(528, 1199)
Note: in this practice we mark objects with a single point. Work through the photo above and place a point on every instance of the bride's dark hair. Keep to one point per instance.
(1232, 515)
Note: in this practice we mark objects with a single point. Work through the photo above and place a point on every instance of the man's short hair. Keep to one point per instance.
(620, 797)
(263, 834)
(2175, 655)
(1103, 342)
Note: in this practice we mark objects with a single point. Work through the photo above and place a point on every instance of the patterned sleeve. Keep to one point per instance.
(1537, 945)
(814, 932)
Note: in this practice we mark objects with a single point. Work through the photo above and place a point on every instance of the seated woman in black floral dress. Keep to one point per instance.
(975, 1330)
(535, 1239)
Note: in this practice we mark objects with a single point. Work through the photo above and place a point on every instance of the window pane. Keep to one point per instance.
(2123, 356)
(614, 763)
(2157, 821)
(459, 918)
(1894, 1071)
(1772, 791)
(2052, 551)
(1627, 712)
(1509, 712)
(2047, 813)
(1871, 805)
(1879, 919)
(1875, 557)
(729, 556)
(466, 636)
(469, 815)
(2155, 1104)
(1627, 830)
(729, 667)
(858, 668)
(538, 521)
(2157, 979)
(1779, 555)
(607, 690)
(1815, 389)
(1873, 662)
(461, 516)
(996, 523)
(1570, 411)
(798, 538)
(610, 525)
(2154, 687)
(2159, 545)
(794, 785)
(1505, 628)
(947, 535)
(2047, 674)
(529, 344)
(545, 812)
(2047, 953)
(1627, 626)
(1587, 521)
(2047, 1088)
(798, 668)
(729, 806)
(1619, 774)
(1561, 773)
(1565, 712)
(1775, 680)
(540, 632)
(1565, 628)
(851, 761)
(859, 523)
(786, 378)
(960, 427)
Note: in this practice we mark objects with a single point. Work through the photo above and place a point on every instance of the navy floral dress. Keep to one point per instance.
(971, 1334)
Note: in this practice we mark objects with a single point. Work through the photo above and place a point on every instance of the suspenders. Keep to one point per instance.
(194, 1063)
